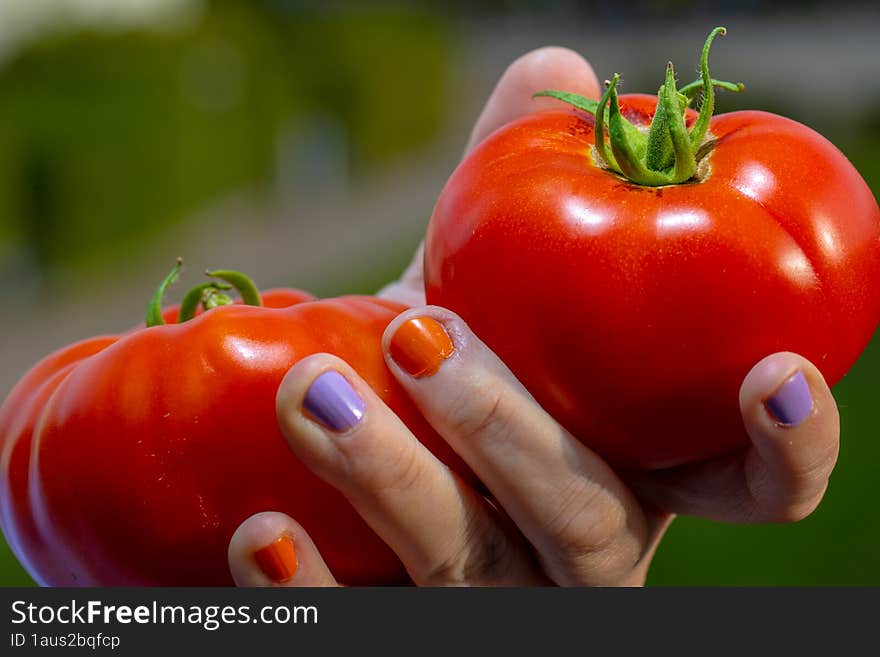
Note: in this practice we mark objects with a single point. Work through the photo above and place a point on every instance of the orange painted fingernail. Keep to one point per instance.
(420, 346)
(278, 560)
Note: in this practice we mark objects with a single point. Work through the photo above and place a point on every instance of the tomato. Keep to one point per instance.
(131, 460)
(633, 310)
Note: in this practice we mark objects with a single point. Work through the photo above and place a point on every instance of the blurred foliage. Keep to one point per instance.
(105, 138)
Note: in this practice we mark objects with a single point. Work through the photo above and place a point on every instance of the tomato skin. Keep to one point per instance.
(151, 448)
(634, 313)
(19, 416)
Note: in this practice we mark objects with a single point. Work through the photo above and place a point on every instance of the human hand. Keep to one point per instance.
(556, 514)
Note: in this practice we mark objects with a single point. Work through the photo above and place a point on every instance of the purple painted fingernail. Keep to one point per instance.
(791, 403)
(333, 402)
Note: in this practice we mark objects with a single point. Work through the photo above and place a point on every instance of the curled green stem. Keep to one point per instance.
(701, 126)
(154, 309)
(250, 295)
(210, 294)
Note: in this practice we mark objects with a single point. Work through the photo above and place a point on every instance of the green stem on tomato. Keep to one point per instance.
(200, 295)
(250, 295)
(701, 126)
(154, 309)
(685, 165)
(590, 106)
(692, 89)
(669, 153)
(658, 151)
(628, 158)
(599, 140)
(209, 295)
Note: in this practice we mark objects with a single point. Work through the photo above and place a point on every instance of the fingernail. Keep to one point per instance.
(278, 560)
(420, 346)
(792, 403)
(333, 402)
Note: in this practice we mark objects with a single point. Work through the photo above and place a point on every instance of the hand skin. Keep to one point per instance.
(558, 514)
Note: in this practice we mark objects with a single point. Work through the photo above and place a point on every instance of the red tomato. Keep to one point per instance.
(131, 460)
(632, 312)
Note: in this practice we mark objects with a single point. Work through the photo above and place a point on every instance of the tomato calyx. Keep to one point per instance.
(668, 153)
(209, 295)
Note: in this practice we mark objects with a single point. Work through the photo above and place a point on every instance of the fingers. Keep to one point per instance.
(792, 421)
(443, 531)
(271, 549)
(583, 523)
(545, 68)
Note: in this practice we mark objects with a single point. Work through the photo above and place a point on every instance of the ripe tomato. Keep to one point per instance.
(633, 310)
(131, 460)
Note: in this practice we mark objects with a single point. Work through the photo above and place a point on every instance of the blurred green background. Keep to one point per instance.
(306, 142)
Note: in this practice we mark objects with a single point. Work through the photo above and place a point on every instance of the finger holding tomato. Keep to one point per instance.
(546, 509)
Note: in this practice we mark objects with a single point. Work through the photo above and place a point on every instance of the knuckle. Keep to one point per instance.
(480, 412)
(393, 472)
(590, 533)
